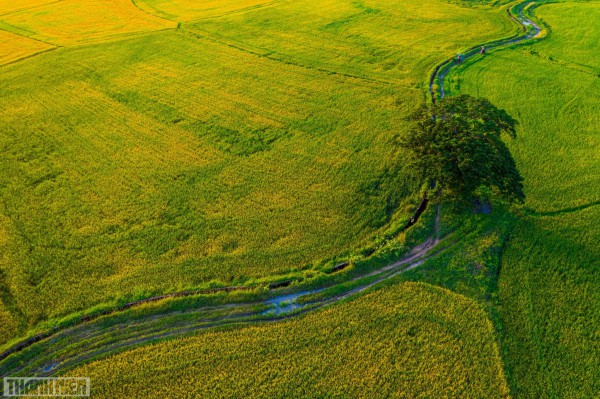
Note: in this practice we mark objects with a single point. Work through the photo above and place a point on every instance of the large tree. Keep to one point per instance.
(457, 142)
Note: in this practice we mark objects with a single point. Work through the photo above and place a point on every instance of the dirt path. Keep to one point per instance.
(58, 350)
(74, 346)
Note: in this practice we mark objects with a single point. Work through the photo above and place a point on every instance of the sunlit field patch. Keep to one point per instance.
(151, 175)
(174, 145)
(9, 6)
(69, 22)
(174, 158)
(389, 41)
(14, 47)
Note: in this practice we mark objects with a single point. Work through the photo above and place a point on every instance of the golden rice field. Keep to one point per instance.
(387, 40)
(71, 22)
(15, 48)
(154, 146)
(171, 158)
(185, 10)
(9, 7)
(405, 341)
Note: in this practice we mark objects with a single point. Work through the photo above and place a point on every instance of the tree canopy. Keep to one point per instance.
(457, 142)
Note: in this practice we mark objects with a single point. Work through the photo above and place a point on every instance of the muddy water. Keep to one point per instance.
(287, 303)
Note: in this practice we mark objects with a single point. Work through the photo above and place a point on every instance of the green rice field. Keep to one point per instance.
(153, 147)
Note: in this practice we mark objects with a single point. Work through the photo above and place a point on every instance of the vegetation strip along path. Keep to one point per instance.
(26, 343)
(58, 351)
(76, 345)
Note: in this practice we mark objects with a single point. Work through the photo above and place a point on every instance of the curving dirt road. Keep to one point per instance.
(81, 343)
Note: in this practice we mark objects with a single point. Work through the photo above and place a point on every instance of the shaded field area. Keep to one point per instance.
(407, 340)
(550, 276)
(550, 304)
(159, 160)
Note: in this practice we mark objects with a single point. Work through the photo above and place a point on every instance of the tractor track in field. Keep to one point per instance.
(58, 351)
(30, 8)
(223, 14)
(272, 56)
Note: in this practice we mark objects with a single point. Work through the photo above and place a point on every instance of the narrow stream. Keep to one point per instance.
(532, 30)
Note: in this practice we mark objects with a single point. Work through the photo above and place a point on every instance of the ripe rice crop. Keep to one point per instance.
(186, 10)
(69, 22)
(9, 7)
(14, 47)
(407, 340)
(174, 158)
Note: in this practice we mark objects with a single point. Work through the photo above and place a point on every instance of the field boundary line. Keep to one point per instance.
(28, 56)
(268, 53)
(105, 40)
(240, 11)
(25, 36)
(30, 8)
(188, 21)
(135, 4)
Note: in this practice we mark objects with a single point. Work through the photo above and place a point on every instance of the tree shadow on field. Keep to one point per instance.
(550, 280)
(532, 212)
(554, 235)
